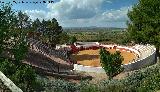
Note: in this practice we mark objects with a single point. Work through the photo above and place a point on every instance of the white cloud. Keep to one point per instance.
(36, 14)
(108, 1)
(119, 15)
(75, 9)
(81, 13)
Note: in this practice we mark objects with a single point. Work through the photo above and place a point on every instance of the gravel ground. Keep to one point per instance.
(98, 77)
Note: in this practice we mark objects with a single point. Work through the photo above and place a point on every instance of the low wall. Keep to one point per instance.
(85, 43)
(118, 47)
(88, 68)
(149, 60)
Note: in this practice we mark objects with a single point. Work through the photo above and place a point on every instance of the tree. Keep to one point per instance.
(13, 48)
(111, 63)
(53, 31)
(36, 24)
(36, 29)
(64, 38)
(144, 23)
(50, 30)
(13, 39)
(23, 20)
(72, 40)
(23, 76)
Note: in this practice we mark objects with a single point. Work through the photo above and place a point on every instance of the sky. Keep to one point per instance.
(78, 13)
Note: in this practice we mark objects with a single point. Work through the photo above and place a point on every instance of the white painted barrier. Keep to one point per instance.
(88, 68)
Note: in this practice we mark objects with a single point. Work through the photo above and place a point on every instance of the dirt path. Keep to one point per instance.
(98, 77)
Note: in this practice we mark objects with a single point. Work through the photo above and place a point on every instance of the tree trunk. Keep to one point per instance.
(58, 68)
(157, 53)
(27, 89)
(110, 78)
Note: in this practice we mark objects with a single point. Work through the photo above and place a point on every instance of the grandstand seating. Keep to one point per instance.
(144, 50)
(60, 56)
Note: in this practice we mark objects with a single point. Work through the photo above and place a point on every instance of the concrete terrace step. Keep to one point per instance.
(55, 55)
(38, 60)
(49, 69)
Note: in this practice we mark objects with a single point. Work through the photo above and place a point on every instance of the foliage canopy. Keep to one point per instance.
(111, 63)
(144, 22)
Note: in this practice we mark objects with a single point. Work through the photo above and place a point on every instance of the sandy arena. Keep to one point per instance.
(91, 57)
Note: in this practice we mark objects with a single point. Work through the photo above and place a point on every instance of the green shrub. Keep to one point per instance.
(144, 80)
(85, 86)
(147, 79)
(89, 88)
(112, 86)
(57, 85)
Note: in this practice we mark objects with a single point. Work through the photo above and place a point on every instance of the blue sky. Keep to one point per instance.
(79, 13)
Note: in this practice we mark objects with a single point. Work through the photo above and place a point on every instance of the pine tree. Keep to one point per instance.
(111, 63)
(144, 23)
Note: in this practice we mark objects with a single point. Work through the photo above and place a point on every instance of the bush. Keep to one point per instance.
(89, 88)
(23, 76)
(57, 85)
(144, 80)
(85, 86)
(112, 86)
(147, 79)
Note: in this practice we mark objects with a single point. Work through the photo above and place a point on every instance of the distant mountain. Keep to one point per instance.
(91, 28)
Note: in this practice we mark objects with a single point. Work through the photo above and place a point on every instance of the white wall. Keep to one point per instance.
(88, 68)
(148, 60)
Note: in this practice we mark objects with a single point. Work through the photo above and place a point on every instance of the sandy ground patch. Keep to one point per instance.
(91, 57)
